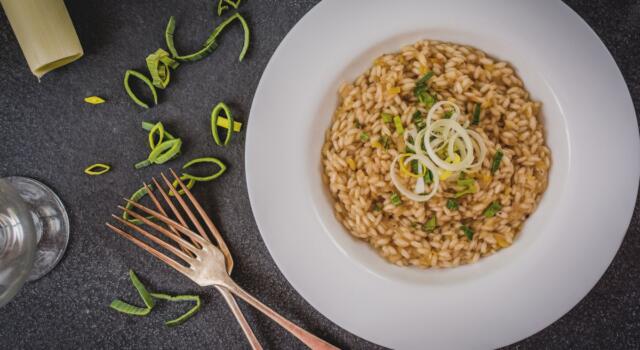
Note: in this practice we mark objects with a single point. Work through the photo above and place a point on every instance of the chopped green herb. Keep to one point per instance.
(431, 224)
(408, 150)
(492, 209)
(495, 164)
(395, 199)
(428, 177)
(421, 91)
(418, 120)
(426, 99)
(364, 137)
(357, 124)
(398, 123)
(415, 166)
(423, 81)
(465, 182)
(452, 204)
(467, 231)
(386, 117)
(377, 206)
(475, 120)
(131, 73)
(469, 190)
(385, 141)
(448, 114)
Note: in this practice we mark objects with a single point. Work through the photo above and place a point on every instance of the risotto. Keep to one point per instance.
(436, 155)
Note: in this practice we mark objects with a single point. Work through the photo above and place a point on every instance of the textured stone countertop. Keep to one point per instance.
(48, 133)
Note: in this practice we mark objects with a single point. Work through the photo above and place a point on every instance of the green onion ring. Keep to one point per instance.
(136, 197)
(158, 64)
(102, 168)
(226, 22)
(180, 320)
(214, 176)
(144, 79)
(207, 48)
(146, 126)
(159, 129)
(165, 151)
(214, 126)
(189, 185)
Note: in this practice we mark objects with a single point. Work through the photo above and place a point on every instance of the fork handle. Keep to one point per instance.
(307, 338)
(235, 309)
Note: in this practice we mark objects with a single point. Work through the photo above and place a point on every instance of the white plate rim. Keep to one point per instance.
(261, 182)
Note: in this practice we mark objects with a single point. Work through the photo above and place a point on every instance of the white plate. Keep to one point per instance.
(565, 246)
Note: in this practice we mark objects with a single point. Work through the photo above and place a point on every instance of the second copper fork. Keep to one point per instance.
(206, 263)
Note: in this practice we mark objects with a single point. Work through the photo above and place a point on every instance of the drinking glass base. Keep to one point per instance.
(51, 222)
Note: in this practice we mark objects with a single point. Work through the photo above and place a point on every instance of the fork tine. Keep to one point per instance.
(185, 207)
(157, 240)
(180, 268)
(155, 201)
(214, 230)
(166, 220)
(175, 210)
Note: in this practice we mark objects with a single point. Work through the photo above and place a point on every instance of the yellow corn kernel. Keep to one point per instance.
(351, 163)
(376, 144)
(423, 70)
(501, 241)
(94, 100)
(394, 90)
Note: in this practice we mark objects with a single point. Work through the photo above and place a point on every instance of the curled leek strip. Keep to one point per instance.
(162, 153)
(123, 307)
(223, 5)
(206, 49)
(180, 320)
(144, 79)
(148, 126)
(165, 151)
(226, 22)
(214, 125)
(157, 129)
(97, 169)
(221, 166)
(189, 185)
(136, 197)
(158, 64)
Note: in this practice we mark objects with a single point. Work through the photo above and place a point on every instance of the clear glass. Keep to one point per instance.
(34, 232)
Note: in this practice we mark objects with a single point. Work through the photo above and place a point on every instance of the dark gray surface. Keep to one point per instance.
(48, 133)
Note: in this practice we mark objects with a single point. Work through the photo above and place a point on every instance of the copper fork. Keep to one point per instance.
(228, 297)
(201, 261)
